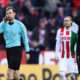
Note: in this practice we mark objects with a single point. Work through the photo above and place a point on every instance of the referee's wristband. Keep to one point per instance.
(27, 52)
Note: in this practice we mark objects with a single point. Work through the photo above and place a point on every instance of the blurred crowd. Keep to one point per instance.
(42, 19)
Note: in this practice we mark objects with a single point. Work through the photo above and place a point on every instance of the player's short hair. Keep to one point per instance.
(10, 7)
(69, 17)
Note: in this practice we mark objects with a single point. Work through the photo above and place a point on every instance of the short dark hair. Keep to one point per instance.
(10, 7)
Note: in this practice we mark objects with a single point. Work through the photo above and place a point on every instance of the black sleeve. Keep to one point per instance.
(77, 20)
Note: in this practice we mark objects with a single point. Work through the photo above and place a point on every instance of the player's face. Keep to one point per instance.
(67, 22)
(10, 14)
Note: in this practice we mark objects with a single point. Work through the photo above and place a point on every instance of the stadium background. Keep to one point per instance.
(42, 19)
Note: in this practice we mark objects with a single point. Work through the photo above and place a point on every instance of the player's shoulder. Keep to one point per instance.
(60, 30)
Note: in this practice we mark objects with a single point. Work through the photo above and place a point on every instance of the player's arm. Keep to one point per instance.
(73, 40)
(25, 40)
(58, 42)
(76, 22)
(73, 37)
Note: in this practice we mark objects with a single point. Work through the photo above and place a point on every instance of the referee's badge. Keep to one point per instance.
(14, 35)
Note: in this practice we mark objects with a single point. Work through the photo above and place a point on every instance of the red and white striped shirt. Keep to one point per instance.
(63, 42)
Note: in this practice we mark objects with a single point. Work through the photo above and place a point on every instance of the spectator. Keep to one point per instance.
(67, 10)
(52, 33)
(66, 1)
(34, 53)
(40, 3)
(74, 12)
(18, 4)
(51, 5)
(45, 20)
(1, 12)
(41, 34)
(31, 19)
(20, 16)
(26, 6)
(4, 2)
(76, 3)
(60, 17)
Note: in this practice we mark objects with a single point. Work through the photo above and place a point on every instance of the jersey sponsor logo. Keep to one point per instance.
(14, 35)
(65, 42)
(65, 38)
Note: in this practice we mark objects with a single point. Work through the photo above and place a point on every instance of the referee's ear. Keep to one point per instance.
(14, 14)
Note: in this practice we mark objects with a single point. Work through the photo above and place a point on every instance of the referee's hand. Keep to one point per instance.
(27, 57)
(5, 19)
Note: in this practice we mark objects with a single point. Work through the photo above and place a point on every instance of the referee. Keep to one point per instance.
(75, 39)
(13, 30)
